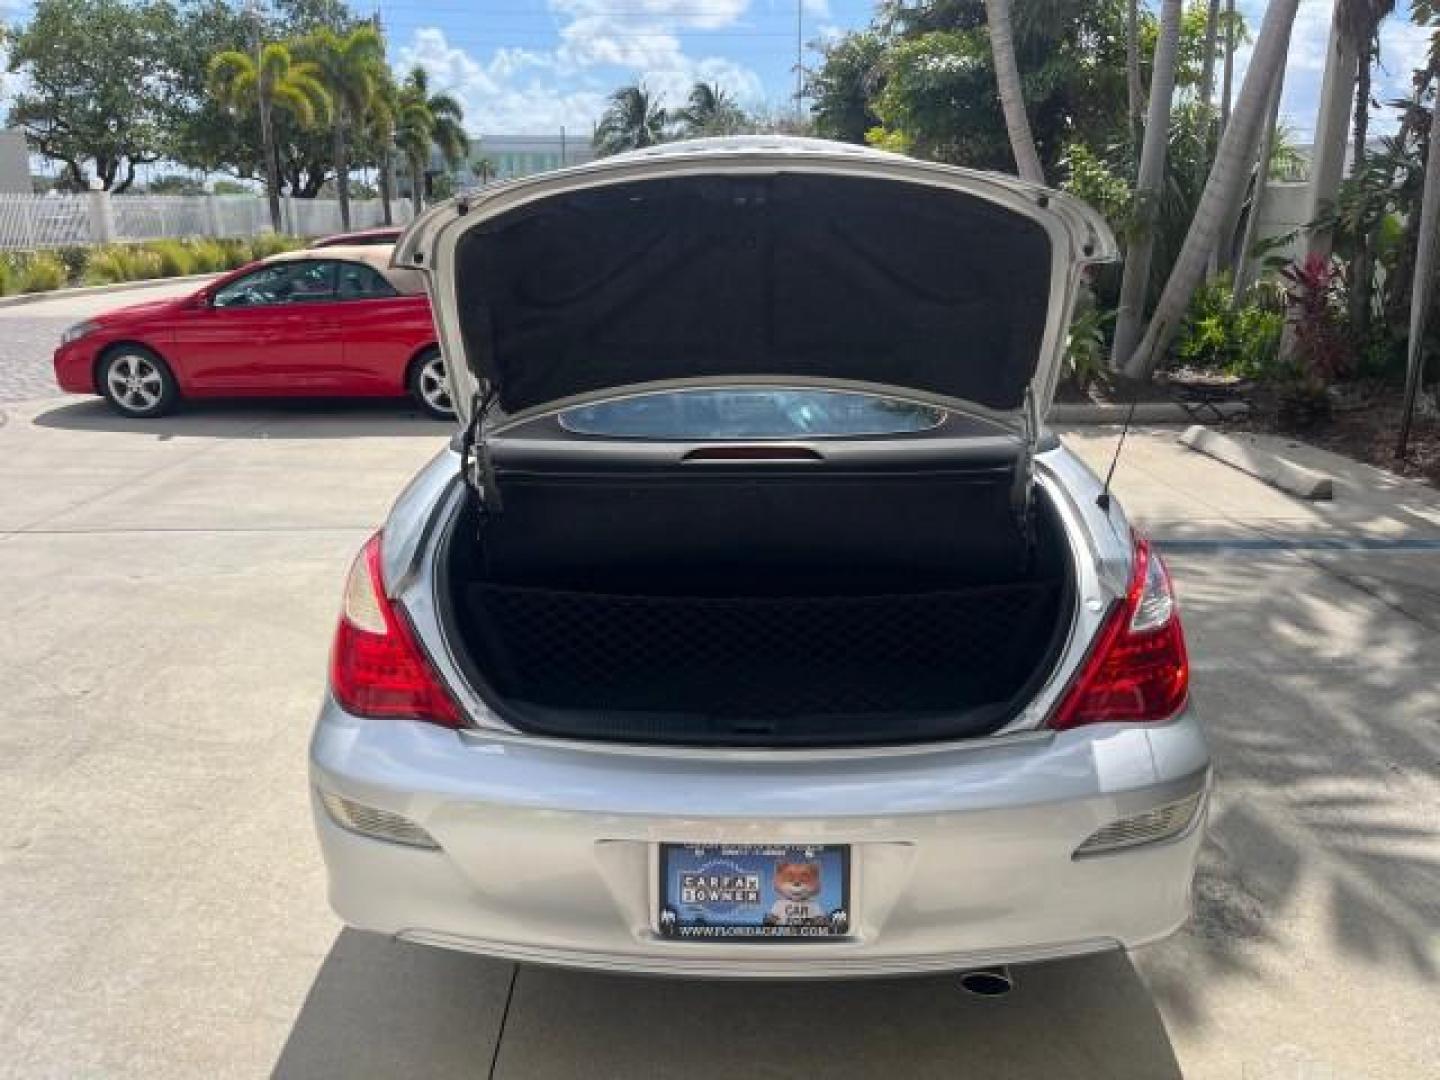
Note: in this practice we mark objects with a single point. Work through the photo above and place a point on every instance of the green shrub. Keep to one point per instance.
(111, 265)
(1255, 343)
(177, 257)
(208, 256)
(1091, 178)
(104, 267)
(1086, 347)
(41, 271)
(74, 256)
(267, 244)
(144, 264)
(1239, 340)
(237, 253)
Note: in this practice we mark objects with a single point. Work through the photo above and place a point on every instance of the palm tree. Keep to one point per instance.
(1243, 276)
(1207, 62)
(1012, 98)
(1337, 92)
(1224, 186)
(380, 123)
(272, 80)
(1363, 19)
(632, 119)
(1135, 285)
(710, 111)
(352, 67)
(1227, 83)
(1134, 88)
(426, 121)
(1427, 264)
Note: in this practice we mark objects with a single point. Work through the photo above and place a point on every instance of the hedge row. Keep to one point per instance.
(42, 271)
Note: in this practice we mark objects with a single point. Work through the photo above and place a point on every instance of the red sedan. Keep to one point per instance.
(332, 322)
(381, 234)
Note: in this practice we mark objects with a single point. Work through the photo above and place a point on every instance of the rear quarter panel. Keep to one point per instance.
(381, 338)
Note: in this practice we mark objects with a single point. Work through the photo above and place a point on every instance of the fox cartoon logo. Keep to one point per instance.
(797, 893)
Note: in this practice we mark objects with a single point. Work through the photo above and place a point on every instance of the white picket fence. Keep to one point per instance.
(49, 221)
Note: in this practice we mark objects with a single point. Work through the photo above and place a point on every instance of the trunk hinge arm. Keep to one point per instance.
(1022, 490)
(475, 462)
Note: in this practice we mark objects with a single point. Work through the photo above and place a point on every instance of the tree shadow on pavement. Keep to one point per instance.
(292, 418)
(381, 1008)
(1319, 695)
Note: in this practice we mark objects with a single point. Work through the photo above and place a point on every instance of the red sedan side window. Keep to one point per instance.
(361, 282)
(298, 282)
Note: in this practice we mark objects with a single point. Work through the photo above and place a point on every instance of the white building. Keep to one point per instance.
(14, 164)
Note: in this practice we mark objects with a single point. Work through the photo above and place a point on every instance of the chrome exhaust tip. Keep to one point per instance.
(987, 981)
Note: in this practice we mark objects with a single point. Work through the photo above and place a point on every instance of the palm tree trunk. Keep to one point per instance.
(1227, 85)
(342, 169)
(1012, 98)
(387, 180)
(1135, 285)
(1337, 91)
(1224, 186)
(1207, 63)
(1422, 294)
(1220, 254)
(1244, 261)
(1400, 277)
(1134, 90)
(272, 164)
(1362, 269)
(417, 183)
(1207, 84)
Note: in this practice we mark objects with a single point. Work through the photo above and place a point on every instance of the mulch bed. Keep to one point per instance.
(1363, 424)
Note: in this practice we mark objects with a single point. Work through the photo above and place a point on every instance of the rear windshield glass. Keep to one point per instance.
(751, 414)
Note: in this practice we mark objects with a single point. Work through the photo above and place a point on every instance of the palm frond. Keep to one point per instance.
(231, 78)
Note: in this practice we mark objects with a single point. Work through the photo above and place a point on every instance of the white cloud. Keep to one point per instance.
(710, 15)
(1403, 47)
(596, 41)
(599, 45)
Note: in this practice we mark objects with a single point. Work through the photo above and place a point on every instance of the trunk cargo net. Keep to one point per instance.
(763, 659)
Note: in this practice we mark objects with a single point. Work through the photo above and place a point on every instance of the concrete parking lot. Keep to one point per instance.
(169, 593)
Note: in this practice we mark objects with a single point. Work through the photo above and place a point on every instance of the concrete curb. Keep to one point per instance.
(1146, 412)
(100, 290)
(1288, 477)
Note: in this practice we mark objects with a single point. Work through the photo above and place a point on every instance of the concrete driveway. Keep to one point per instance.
(170, 589)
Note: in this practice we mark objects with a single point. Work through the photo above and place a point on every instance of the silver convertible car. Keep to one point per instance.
(753, 623)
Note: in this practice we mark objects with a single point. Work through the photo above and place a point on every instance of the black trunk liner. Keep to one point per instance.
(851, 667)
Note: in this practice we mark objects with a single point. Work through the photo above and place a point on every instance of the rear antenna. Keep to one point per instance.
(1103, 499)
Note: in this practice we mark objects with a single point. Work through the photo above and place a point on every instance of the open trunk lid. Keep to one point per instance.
(757, 261)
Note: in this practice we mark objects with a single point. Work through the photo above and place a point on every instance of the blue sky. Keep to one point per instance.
(532, 66)
(529, 66)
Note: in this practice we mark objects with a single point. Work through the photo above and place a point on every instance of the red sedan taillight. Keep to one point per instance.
(377, 668)
(1137, 670)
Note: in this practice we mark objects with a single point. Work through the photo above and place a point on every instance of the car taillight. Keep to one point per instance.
(377, 668)
(1137, 670)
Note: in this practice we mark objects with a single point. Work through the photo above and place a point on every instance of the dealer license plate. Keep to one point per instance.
(754, 892)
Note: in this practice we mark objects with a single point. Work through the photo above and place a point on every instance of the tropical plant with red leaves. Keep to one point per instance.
(1315, 303)
(1315, 295)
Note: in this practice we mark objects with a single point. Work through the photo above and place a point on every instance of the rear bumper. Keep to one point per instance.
(960, 856)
